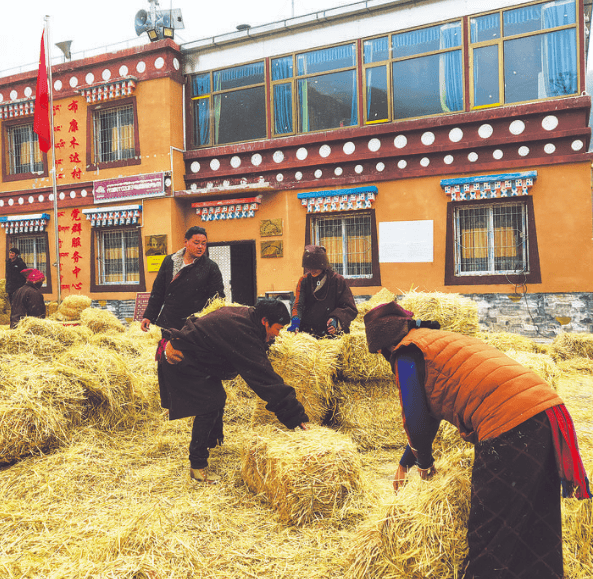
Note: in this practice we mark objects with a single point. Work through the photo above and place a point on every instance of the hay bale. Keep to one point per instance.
(39, 407)
(570, 345)
(305, 475)
(99, 320)
(577, 365)
(309, 366)
(357, 363)
(215, 304)
(504, 341)
(423, 532)
(120, 343)
(4, 320)
(14, 343)
(383, 296)
(454, 312)
(67, 335)
(72, 306)
(542, 364)
(370, 413)
(135, 332)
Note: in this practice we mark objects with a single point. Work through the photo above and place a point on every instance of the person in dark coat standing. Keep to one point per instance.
(14, 266)
(323, 305)
(28, 299)
(185, 282)
(219, 346)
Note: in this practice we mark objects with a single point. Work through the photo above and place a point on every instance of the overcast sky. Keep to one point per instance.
(94, 23)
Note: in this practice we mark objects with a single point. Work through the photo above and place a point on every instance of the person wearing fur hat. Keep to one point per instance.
(324, 304)
(28, 299)
(525, 445)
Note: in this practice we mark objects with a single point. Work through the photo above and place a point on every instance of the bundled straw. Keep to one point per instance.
(72, 306)
(357, 363)
(305, 475)
(454, 312)
(570, 345)
(504, 341)
(66, 335)
(383, 296)
(541, 364)
(101, 321)
(577, 365)
(15, 342)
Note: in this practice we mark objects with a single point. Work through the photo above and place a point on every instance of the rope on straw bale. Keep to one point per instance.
(454, 312)
(504, 341)
(542, 364)
(305, 475)
(99, 320)
(570, 345)
(423, 532)
(39, 407)
(309, 366)
(72, 306)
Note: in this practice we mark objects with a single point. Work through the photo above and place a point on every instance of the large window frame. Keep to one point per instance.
(473, 252)
(131, 239)
(34, 248)
(13, 167)
(497, 42)
(127, 133)
(373, 278)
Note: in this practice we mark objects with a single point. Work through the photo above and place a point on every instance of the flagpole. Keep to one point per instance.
(53, 157)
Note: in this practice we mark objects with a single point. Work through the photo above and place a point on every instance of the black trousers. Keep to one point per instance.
(207, 432)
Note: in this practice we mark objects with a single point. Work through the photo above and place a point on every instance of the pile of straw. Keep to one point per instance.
(576, 365)
(66, 335)
(504, 341)
(72, 306)
(541, 364)
(101, 321)
(4, 304)
(383, 296)
(13, 342)
(454, 312)
(305, 475)
(357, 363)
(570, 345)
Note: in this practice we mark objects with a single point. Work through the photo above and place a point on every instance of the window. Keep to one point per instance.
(524, 54)
(351, 244)
(118, 260)
(35, 253)
(491, 242)
(23, 155)
(115, 134)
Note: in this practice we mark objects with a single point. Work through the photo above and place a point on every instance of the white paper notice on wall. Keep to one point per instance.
(406, 242)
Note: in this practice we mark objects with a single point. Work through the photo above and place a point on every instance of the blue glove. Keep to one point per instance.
(332, 323)
(295, 324)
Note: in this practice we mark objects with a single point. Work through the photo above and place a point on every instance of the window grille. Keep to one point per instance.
(119, 257)
(347, 241)
(24, 154)
(33, 252)
(491, 239)
(114, 134)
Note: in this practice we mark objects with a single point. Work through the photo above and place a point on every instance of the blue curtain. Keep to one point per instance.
(559, 54)
(376, 49)
(239, 72)
(283, 108)
(203, 106)
(354, 106)
(453, 74)
(201, 84)
(327, 55)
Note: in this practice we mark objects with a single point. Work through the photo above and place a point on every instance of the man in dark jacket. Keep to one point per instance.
(215, 347)
(14, 266)
(28, 299)
(185, 282)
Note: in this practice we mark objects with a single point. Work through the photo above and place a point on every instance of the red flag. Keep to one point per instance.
(41, 124)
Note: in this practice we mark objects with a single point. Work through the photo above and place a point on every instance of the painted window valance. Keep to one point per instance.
(114, 216)
(489, 186)
(24, 223)
(17, 109)
(227, 208)
(108, 90)
(338, 200)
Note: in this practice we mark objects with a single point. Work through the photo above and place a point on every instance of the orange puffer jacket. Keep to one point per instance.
(476, 387)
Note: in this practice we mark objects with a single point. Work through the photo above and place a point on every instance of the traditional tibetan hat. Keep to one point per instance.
(315, 257)
(33, 275)
(386, 325)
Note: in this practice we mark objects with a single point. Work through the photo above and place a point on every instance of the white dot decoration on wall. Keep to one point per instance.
(195, 167)
(577, 145)
(1, 97)
(400, 141)
(256, 159)
(73, 81)
(498, 154)
(215, 164)
(338, 171)
(11, 202)
(485, 131)
(523, 151)
(159, 62)
(402, 164)
(349, 148)
(51, 197)
(455, 135)
(89, 78)
(427, 138)
(13, 95)
(278, 156)
(141, 66)
(28, 91)
(302, 154)
(325, 151)
(425, 161)
(472, 157)
(517, 127)
(358, 169)
(279, 177)
(550, 122)
(298, 175)
(235, 162)
(374, 145)
(40, 198)
(448, 159)
(106, 74)
(83, 193)
(72, 194)
(62, 196)
(550, 148)
(123, 70)
(21, 200)
(31, 199)
(58, 85)
(380, 167)
(176, 63)
(1, 203)
(318, 174)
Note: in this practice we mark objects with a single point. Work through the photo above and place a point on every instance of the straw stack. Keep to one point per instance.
(541, 364)
(15, 342)
(72, 306)
(4, 304)
(504, 341)
(357, 363)
(101, 321)
(305, 475)
(570, 345)
(66, 335)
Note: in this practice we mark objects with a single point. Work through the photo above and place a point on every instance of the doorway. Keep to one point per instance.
(236, 261)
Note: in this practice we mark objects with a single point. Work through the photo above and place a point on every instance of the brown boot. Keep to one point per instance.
(202, 475)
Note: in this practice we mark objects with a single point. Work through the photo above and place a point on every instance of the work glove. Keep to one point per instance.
(332, 326)
(294, 325)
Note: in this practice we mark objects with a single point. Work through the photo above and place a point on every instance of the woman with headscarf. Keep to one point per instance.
(28, 299)
(525, 444)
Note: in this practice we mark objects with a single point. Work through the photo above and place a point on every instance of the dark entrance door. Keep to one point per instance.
(237, 264)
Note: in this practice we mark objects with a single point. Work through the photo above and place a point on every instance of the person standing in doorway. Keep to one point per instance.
(14, 266)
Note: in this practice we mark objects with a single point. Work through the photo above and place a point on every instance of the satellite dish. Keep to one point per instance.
(65, 48)
(141, 22)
